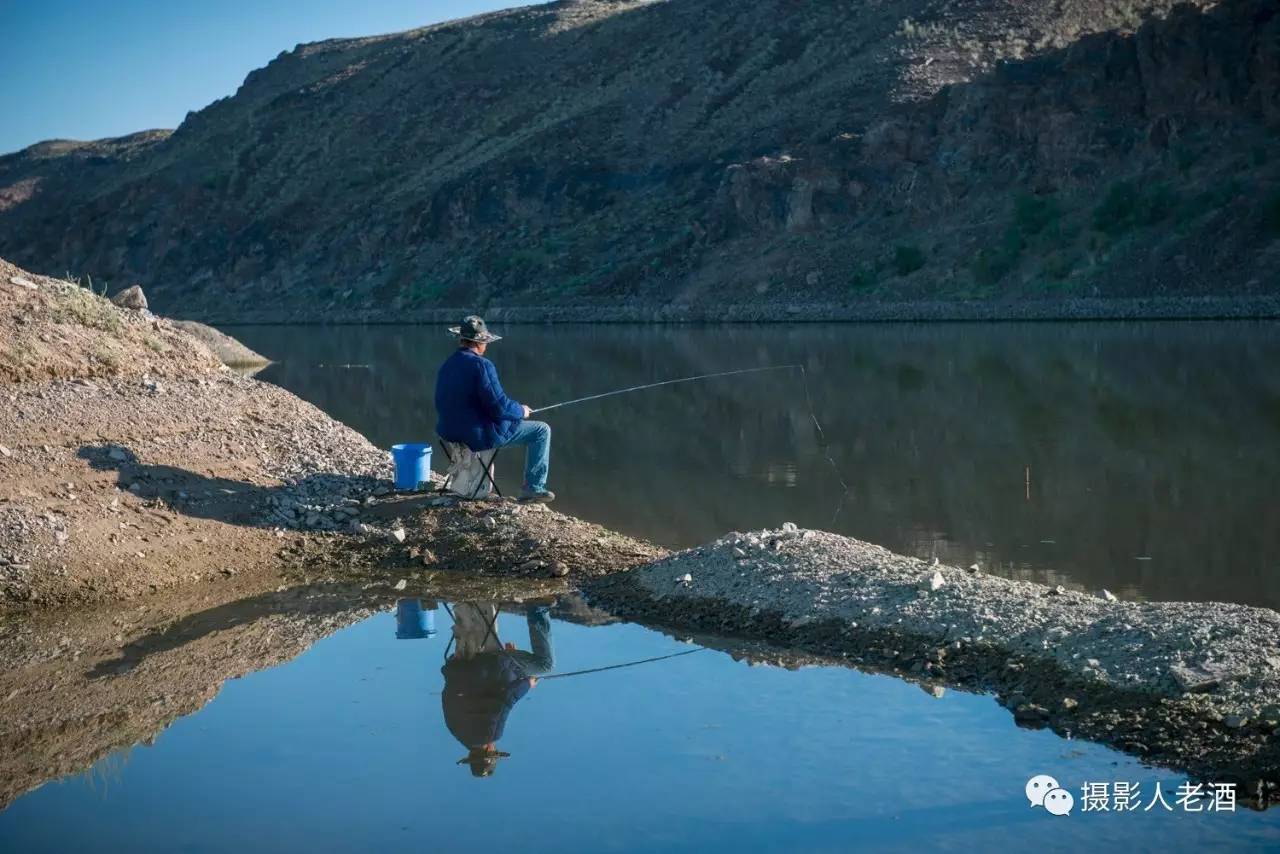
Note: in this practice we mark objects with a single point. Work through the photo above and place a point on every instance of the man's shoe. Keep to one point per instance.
(546, 496)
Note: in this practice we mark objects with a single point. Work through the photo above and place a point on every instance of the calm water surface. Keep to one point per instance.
(1138, 457)
(346, 748)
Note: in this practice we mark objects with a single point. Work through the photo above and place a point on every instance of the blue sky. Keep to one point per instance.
(86, 69)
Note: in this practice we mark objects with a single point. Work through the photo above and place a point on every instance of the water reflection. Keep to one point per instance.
(484, 678)
(303, 679)
(1062, 453)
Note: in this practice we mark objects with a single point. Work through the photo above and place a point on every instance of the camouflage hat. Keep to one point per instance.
(473, 329)
(483, 761)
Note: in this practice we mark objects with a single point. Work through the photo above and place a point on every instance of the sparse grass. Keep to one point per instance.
(907, 259)
(1033, 214)
(993, 263)
(154, 344)
(1057, 264)
(81, 306)
(1129, 205)
(107, 358)
(1271, 213)
(863, 278)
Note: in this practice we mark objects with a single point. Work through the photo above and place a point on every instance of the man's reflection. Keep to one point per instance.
(484, 679)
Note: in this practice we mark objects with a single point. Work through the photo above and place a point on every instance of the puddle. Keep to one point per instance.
(347, 747)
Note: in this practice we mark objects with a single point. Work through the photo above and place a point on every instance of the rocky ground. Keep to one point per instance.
(1193, 685)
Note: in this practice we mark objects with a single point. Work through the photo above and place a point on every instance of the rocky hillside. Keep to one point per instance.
(606, 152)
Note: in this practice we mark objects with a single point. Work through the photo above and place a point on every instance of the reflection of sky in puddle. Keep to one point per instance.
(344, 748)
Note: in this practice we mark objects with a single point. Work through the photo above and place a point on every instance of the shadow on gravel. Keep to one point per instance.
(289, 604)
(312, 502)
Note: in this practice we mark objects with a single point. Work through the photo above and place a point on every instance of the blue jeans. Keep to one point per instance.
(542, 659)
(536, 435)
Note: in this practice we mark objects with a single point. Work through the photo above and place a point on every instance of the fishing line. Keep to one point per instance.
(624, 664)
(822, 443)
(668, 382)
(491, 631)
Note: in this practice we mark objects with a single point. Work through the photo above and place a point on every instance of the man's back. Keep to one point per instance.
(471, 406)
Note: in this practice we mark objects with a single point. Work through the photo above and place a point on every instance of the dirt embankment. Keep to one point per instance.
(133, 461)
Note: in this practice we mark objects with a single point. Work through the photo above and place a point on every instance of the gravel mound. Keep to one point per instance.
(1170, 648)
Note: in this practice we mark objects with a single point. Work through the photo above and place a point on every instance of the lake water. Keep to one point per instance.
(1139, 457)
(346, 748)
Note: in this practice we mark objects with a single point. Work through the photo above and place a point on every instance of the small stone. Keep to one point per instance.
(401, 584)
(1108, 595)
(396, 535)
(1030, 713)
(117, 455)
(974, 568)
(1235, 721)
(559, 570)
(531, 565)
(131, 298)
(1093, 662)
(5, 452)
(789, 527)
(1069, 703)
(684, 579)
(934, 583)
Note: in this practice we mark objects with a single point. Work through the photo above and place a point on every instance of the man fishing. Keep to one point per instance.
(474, 410)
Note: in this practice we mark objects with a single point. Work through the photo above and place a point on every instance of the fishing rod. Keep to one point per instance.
(491, 631)
(668, 382)
(620, 666)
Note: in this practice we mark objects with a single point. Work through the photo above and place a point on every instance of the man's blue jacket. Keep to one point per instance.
(471, 406)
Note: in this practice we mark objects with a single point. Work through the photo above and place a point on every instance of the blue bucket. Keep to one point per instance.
(413, 465)
(413, 622)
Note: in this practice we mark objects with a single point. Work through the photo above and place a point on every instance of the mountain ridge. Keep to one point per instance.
(688, 153)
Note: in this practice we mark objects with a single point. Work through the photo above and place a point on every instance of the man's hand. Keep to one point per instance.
(527, 410)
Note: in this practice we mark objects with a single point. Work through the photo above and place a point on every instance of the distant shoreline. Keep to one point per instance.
(1074, 310)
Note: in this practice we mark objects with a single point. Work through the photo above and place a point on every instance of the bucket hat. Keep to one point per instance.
(473, 328)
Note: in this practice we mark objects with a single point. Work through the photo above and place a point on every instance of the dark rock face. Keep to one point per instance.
(596, 153)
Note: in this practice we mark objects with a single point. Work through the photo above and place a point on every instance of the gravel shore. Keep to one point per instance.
(1191, 685)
